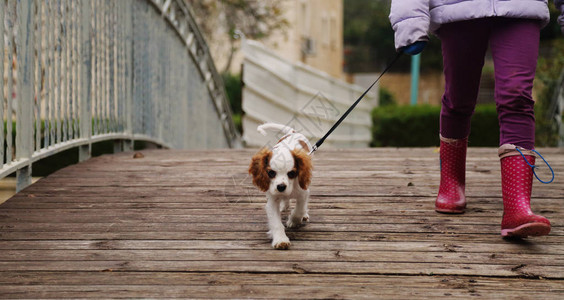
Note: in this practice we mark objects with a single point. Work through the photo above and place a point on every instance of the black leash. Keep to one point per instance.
(320, 141)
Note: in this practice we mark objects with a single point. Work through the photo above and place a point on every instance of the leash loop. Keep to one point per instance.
(533, 166)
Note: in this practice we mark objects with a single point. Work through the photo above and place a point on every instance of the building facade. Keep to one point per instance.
(314, 37)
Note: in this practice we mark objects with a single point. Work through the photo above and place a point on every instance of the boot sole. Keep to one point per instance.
(525, 230)
(449, 211)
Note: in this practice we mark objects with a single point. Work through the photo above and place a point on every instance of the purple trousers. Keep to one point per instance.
(514, 45)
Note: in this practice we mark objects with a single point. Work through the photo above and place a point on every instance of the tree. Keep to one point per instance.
(219, 19)
(369, 37)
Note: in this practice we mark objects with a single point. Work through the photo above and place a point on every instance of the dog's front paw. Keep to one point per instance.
(294, 222)
(281, 244)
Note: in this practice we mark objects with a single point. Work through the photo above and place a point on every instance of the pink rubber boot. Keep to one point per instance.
(516, 186)
(451, 198)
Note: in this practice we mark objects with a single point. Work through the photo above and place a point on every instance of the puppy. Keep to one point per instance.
(284, 173)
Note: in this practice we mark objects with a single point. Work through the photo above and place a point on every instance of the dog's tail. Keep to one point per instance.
(274, 127)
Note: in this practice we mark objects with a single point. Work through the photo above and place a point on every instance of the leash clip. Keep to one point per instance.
(313, 149)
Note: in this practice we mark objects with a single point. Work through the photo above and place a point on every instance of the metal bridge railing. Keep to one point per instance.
(77, 72)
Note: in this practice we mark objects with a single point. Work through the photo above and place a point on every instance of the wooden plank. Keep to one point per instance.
(246, 201)
(458, 246)
(103, 285)
(66, 229)
(448, 238)
(198, 215)
(442, 268)
(269, 291)
(317, 257)
(215, 279)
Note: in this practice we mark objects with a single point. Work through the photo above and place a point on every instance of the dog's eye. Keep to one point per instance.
(292, 174)
(271, 174)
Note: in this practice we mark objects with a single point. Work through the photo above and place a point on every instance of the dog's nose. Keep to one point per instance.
(281, 187)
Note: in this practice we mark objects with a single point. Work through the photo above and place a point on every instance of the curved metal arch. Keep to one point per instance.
(77, 79)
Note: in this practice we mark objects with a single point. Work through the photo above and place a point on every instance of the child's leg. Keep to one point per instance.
(515, 45)
(464, 45)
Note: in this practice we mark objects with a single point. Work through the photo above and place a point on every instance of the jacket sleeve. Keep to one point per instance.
(410, 20)
(560, 5)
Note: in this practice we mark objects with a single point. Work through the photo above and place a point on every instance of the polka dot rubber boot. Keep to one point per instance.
(516, 185)
(451, 198)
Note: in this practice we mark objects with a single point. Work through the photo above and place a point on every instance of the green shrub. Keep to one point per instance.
(386, 98)
(233, 89)
(418, 126)
(485, 127)
(548, 80)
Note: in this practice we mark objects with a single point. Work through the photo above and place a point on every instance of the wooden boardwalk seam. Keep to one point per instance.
(189, 224)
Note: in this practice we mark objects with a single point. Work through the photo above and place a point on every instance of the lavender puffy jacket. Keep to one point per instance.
(413, 19)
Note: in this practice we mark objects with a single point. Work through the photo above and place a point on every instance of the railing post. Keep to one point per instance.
(415, 63)
(2, 55)
(85, 151)
(24, 112)
(128, 72)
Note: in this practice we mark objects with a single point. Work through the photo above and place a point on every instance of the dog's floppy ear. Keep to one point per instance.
(304, 166)
(258, 169)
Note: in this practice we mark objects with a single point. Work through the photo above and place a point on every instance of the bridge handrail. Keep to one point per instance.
(187, 29)
(78, 72)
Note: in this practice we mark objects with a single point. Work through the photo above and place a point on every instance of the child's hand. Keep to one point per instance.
(414, 48)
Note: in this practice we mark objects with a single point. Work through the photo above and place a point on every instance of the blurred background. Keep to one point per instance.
(296, 62)
(352, 40)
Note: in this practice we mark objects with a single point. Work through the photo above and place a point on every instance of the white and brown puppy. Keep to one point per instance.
(284, 173)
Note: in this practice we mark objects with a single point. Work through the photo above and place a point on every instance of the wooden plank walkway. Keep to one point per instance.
(189, 224)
